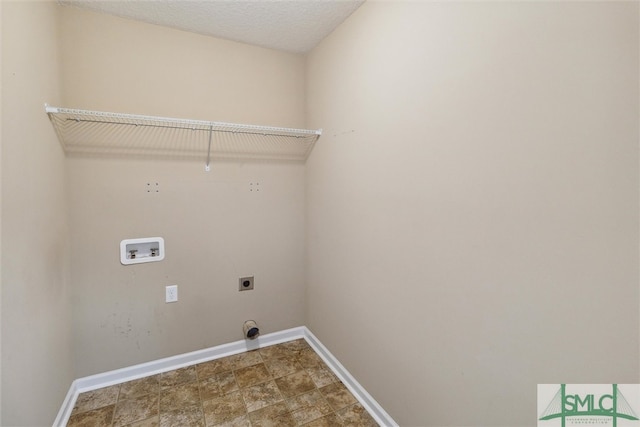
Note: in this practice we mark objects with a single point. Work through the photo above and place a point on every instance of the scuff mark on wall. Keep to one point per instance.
(119, 320)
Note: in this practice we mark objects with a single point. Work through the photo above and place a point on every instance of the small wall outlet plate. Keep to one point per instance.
(171, 293)
(245, 283)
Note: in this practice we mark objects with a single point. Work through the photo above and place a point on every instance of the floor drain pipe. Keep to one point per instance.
(250, 329)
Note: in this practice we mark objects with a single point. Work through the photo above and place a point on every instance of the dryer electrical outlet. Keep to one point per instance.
(245, 283)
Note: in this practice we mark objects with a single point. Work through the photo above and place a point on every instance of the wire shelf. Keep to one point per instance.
(98, 133)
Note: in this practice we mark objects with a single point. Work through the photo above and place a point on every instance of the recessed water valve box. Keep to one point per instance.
(137, 251)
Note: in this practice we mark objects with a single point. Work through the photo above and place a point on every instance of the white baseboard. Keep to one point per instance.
(142, 370)
(366, 400)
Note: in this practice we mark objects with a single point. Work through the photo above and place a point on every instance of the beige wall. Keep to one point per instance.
(215, 229)
(472, 210)
(37, 367)
(114, 64)
(1, 218)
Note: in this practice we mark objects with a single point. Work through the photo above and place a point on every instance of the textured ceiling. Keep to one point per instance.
(289, 25)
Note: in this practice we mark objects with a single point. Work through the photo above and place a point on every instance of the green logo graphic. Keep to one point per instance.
(564, 406)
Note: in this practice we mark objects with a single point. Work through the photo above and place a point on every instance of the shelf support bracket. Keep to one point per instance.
(207, 167)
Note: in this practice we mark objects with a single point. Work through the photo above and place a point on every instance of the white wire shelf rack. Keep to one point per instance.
(97, 133)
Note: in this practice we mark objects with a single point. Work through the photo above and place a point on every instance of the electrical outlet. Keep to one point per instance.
(245, 283)
(171, 293)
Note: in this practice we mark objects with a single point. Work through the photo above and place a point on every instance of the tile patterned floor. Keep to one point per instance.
(281, 385)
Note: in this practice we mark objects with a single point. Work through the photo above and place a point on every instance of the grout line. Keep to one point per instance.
(200, 400)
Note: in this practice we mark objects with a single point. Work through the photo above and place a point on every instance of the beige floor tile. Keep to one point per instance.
(276, 415)
(283, 385)
(251, 375)
(261, 395)
(135, 409)
(241, 421)
(279, 367)
(331, 420)
(186, 416)
(338, 396)
(224, 409)
(208, 369)
(173, 398)
(276, 351)
(296, 345)
(322, 376)
(295, 384)
(179, 376)
(217, 385)
(270, 411)
(309, 359)
(308, 407)
(140, 387)
(96, 399)
(149, 422)
(95, 417)
(356, 415)
(243, 360)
